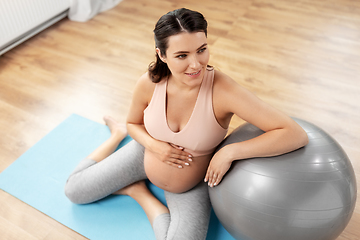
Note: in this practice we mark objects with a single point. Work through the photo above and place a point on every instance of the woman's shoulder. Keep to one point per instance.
(144, 87)
(145, 80)
(223, 82)
(227, 88)
(145, 84)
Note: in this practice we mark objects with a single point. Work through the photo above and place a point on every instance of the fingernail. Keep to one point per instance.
(190, 155)
(179, 166)
(190, 160)
(187, 164)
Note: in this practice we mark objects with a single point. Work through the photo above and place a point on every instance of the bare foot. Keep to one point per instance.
(116, 128)
(133, 188)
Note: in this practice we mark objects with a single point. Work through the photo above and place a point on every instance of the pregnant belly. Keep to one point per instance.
(174, 179)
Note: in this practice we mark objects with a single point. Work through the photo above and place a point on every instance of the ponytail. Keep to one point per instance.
(158, 70)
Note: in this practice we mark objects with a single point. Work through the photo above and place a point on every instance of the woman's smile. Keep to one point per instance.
(194, 74)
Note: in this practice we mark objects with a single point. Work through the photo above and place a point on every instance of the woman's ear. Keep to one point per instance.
(160, 56)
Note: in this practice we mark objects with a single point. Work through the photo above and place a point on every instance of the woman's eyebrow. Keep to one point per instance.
(204, 45)
(182, 52)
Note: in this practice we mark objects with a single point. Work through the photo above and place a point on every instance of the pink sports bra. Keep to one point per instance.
(201, 134)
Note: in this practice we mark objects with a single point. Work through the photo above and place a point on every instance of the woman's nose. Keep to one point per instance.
(194, 63)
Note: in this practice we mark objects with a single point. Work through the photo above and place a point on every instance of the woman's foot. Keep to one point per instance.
(118, 133)
(130, 190)
(116, 129)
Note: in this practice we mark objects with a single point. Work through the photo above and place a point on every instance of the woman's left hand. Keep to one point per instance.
(218, 166)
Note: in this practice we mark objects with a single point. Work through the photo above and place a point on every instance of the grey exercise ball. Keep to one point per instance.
(307, 194)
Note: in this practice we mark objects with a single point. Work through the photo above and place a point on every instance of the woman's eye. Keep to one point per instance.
(202, 50)
(181, 56)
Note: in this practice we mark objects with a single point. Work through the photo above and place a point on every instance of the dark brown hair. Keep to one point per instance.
(172, 23)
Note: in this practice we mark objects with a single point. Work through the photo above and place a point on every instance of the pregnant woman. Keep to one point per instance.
(180, 112)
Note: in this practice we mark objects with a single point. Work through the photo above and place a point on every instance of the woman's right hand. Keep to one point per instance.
(171, 154)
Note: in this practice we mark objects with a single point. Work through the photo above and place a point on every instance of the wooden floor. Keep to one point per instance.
(301, 56)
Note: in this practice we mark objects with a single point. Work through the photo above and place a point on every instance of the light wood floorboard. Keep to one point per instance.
(303, 57)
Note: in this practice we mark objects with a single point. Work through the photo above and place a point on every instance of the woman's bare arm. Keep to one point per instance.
(282, 134)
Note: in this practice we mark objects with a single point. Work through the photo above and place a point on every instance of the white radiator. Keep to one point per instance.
(22, 19)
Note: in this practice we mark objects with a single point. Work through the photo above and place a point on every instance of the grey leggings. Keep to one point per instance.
(189, 211)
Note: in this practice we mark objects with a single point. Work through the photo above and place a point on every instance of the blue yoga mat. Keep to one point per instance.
(39, 175)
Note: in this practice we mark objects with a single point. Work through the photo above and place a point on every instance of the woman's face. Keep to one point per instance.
(187, 57)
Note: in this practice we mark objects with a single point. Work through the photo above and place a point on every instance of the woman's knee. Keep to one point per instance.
(71, 192)
(74, 193)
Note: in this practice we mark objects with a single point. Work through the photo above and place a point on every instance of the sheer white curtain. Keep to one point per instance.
(83, 10)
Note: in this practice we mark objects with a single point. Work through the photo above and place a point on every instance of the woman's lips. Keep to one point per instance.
(194, 74)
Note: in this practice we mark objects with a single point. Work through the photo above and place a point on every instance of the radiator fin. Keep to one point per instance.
(17, 17)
